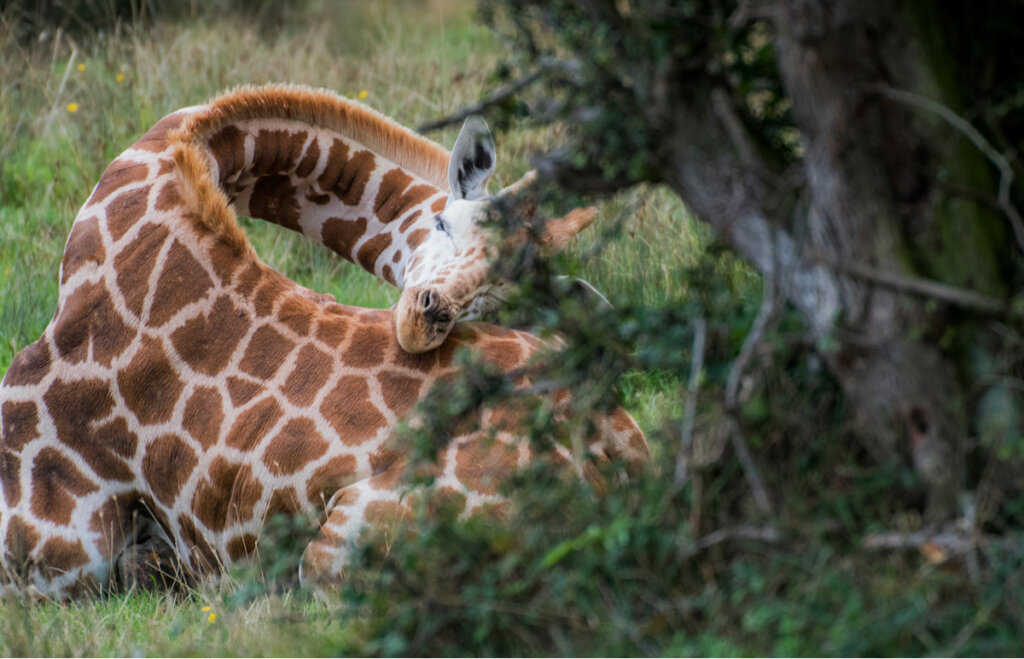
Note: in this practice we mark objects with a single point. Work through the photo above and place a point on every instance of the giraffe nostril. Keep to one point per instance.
(429, 300)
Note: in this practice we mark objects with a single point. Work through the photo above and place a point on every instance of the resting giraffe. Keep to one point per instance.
(391, 201)
(183, 379)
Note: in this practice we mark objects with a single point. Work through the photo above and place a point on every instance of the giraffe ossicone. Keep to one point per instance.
(184, 384)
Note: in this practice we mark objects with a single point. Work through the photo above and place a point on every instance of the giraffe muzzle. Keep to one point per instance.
(423, 319)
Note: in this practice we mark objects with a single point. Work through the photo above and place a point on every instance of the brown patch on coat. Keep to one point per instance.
(10, 477)
(57, 485)
(182, 280)
(349, 410)
(400, 391)
(438, 205)
(368, 347)
(388, 274)
(341, 235)
(134, 264)
(250, 279)
(417, 237)
(276, 151)
(294, 447)
(126, 209)
(150, 385)
(372, 249)
(90, 319)
(332, 330)
(346, 176)
(312, 369)
(265, 353)
(84, 245)
(393, 200)
(155, 139)
(227, 146)
(168, 463)
(207, 342)
(242, 390)
(481, 464)
(75, 407)
(20, 424)
(117, 175)
(21, 540)
(242, 546)
(169, 196)
(408, 222)
(267, 294)
(296, 313)
(309, 160)
(202, 554)
(284, 501)
(252, 425)
(60, 556)
(204, 415)
(336, 473)
(273, 199)
(30, 365)
(384, 515)
(227, 495)
(224, 261)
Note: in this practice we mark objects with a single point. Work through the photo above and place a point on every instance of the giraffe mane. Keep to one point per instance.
(319, 108)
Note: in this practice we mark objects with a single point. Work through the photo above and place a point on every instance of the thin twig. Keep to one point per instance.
(696, 366)
(742, 532)
(970, 132)
(732, 385)
(499, 96)
(917, 285)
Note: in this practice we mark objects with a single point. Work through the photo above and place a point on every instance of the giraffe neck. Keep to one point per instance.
(352, 180)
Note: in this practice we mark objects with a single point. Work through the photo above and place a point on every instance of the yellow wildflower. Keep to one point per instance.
(120, 77)
(206, 608)
(81, 67)
(363, 94)
(72, 107)
(213, 616)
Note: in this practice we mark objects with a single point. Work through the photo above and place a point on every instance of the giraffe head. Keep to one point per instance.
(451, 275)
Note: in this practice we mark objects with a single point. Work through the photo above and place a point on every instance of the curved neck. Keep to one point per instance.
(327, 186)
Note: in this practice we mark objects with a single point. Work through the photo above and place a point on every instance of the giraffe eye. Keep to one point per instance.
(440, 224)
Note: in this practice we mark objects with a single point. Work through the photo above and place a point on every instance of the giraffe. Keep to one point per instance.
(393, 202)
(184, 382)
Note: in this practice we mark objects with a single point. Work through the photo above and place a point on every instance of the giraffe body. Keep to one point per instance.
(184, 382)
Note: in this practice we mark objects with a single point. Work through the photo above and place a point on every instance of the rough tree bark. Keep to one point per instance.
(865, 193)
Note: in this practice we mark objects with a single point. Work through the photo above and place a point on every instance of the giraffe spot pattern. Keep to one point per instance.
(312, 369)
(167, 464)
(253, 424)
(243, 546)
(21, 540)
(400, 391)
(273, 199)
(368, 347)
(349, 410)
(204, 416)
(341, 235)
(228, 149)
(126, 209)
(57, 484)
(346, 176)
(182, 280)
(309, 160)
(481, 464)
(169, 196)
(294, 447)
(242, 390)
(61, 556)
(75, 407)
(150, 385)
(135, 263)
(297, 313)
(372, 249)
(119, 174)
(332, 330)
(265, 353)
(156, 138)
(29, 366)
(89, 319)
(84, 245)
(207, 342)
(20, 423)
(330, 477)
(226, 496)
(393, 200)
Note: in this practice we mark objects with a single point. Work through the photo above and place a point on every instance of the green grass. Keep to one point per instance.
(416, 61)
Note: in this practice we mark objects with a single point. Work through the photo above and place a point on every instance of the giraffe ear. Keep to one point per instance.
(472, 161)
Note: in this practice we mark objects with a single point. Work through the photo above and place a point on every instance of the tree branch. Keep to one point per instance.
(497, 97)
(965, 127)
(916, 285)
(696, 366)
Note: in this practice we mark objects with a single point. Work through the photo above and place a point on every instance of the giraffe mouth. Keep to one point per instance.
(423, 319)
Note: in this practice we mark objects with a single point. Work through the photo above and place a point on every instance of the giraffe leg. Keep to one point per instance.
(376, 503)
